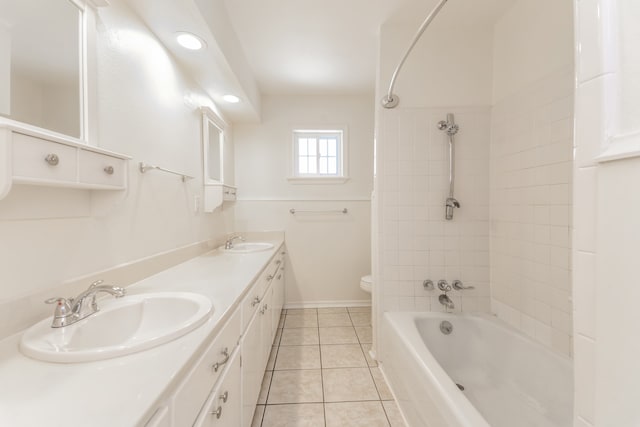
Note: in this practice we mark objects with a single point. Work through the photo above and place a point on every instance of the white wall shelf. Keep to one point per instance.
(37, 157)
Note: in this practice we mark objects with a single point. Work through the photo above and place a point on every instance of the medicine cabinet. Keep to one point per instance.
(216, 160)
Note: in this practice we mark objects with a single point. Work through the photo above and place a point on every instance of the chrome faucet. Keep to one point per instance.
(449, 205)
(71, 310)
(229, 243)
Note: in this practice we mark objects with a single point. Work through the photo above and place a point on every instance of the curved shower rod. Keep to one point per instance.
(391, 100)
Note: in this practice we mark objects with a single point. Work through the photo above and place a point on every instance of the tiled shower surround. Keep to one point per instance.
(416, 242)
(531, 170)
(511, 237)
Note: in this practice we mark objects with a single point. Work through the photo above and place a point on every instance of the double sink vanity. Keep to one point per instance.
(185, 347)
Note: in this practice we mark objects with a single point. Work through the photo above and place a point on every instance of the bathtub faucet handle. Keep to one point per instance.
(444, 286)
(459, 286)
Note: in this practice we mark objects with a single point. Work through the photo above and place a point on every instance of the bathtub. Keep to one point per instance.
(508, 379)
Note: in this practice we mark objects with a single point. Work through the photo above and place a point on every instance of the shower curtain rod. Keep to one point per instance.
(390, 100)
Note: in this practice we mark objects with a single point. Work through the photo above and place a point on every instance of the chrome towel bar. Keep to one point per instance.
(342, 211)
(144, 167)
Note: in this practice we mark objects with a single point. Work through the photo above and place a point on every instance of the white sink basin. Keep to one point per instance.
(248, 247)
(122, 326)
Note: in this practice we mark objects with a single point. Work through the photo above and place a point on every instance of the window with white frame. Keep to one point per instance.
(318, 153)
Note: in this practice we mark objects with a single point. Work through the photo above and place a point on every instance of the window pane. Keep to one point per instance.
(333, 165)
(323, 165)
(323, 147)
(303, 165)
(312, 147)
(332, 147)
(313, 165)
(302, 147)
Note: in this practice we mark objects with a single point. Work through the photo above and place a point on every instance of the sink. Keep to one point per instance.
(122, 326)
(248, 247)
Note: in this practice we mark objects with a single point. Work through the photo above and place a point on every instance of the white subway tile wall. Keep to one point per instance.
(417, 243)
(531, 186)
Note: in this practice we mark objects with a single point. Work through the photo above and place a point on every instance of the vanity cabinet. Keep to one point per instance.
(222, 387)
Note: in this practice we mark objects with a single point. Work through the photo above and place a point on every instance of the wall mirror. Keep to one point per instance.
(213, 131)
(41, 57)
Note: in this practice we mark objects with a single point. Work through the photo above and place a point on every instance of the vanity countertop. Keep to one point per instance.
(121, 391)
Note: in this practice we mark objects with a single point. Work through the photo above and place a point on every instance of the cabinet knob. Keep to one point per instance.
(108, 170)
(52, 159)
(255, 301)
(224, 396)
(217, 412)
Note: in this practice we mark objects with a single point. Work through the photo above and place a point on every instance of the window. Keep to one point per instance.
(318, 154)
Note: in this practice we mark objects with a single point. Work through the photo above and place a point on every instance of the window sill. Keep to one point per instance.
(318, 180)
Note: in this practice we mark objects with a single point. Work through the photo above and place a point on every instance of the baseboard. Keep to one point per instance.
(325, 304)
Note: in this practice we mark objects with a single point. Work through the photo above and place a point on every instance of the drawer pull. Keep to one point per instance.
(255, 301)
(217, 365)
(109, 170)
(52, 159)
(224, 396)
(269, 277)
(278, 262)
(217, 412)
(279, 276)
(264, 309)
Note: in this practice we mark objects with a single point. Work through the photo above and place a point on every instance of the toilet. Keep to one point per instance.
(365, 283)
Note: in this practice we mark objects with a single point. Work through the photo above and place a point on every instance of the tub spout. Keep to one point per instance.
(446, 301)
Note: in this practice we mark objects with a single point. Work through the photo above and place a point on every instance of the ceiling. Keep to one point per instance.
(292, 47)
(330, 46)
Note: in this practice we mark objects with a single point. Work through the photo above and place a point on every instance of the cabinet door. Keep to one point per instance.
(278, 300)
(252, 368)
(266, 314)
(224, 405)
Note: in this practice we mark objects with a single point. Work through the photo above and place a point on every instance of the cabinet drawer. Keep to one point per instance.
(101, 169)
(224, 405)
(197, 385)
(40, 160)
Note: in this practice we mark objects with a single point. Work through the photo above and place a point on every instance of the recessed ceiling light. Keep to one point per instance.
(231, 99)
(190, 41)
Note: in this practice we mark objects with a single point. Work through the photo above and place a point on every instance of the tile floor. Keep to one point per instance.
(320, 373)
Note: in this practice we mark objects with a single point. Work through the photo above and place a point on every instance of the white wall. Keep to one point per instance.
(531, 163)
(53, 236)
(328, 253)
(606, 215)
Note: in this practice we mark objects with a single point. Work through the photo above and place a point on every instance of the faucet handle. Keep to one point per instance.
(61, 312)
(96, 283)
(444, 286)
(457, 285)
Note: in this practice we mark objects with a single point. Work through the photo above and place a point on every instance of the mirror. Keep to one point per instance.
(213, 138)
(40, 63)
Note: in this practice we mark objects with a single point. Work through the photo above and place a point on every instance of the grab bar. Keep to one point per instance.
(293, 211)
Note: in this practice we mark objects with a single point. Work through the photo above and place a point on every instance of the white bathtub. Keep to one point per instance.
(508, 379)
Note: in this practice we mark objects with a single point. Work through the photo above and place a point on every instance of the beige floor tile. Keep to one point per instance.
(393, 413)
(272, 358)
(348, 384)
(334, 319)
(381, 384)
(302, 311)
(366, 348)
(264, 390)
(299, 415)
(300, 336)
(355, 414)
(301, 386)
(298, 357)
(257, 416)
(301, 321)
(342, 356)
(332, 310)
(338, 335)
(364, 334)
(360, 319)
(360, 309)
